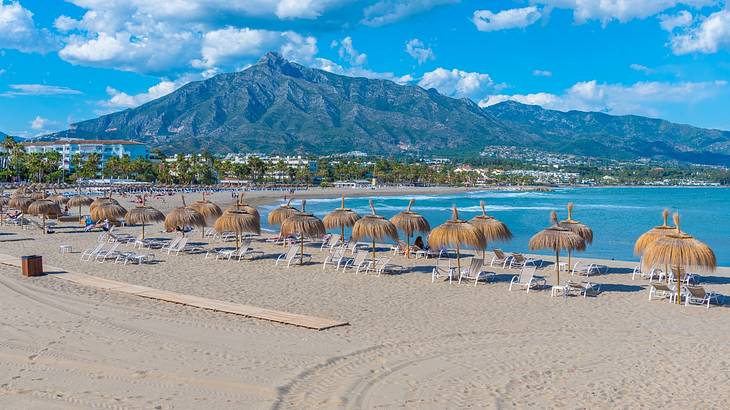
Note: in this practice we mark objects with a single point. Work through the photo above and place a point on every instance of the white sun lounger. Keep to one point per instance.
(697, 295)
(475, 271)
(293, 255)
(527, 279)
(88, 254)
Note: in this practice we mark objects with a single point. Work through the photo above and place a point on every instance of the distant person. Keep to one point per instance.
(418, 243)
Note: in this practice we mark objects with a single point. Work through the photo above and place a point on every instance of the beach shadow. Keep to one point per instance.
(611, 287)
(619, 271)
(714, 280)
(17, 240)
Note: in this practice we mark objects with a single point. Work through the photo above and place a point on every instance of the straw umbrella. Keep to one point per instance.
(43, 208)
(79, 200)
(110, 210)
(183, 217)
(375, 227)
(653, 234)
(305, 224)
(458, 234)
(61, 200)
(3, 203)
(101, 202)
(38, 195)
(410, 222)
(680, 250)
(241, 205)
(20, 202)
(581, 229)
(239, 221)
(208, 209)
(278, 215)
(556, 238)
(143, 214)
(492, 229)
(341, 218)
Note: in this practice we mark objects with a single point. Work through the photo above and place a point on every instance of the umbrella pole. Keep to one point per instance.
(79, 213)
(142, 230)
(237, 236)
(569, 255)
(373, 249)
(557, 265)
(342, 237)
(408, 246)
(679, 286)
(301, 249)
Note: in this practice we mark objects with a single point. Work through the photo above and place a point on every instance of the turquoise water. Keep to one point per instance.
(617, 215)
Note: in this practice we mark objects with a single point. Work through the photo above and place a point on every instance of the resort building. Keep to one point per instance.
(104, 148)
(277, 166)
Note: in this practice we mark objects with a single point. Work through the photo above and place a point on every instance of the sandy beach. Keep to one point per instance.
(410, 343)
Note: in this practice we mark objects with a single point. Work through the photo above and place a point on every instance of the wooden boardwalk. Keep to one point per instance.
(309, 322)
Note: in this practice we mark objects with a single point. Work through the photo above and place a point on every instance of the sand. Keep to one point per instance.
(410, 343)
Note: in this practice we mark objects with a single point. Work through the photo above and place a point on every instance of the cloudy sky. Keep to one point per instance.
(65, 61)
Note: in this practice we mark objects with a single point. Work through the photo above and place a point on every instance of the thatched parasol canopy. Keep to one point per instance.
(20, 202)
(143, 215)
(278, 215)
(341, 218)
(556, 238)
(102, 201)
(79, 200)
(111, 211)
(241, 205)
(410, 222)
(375, 227)
(38, 195)
(492, 229)
(653, 234)
(184, 217)
(681, 251)
(208, 209)
(304, 224)
(458, 234)
(44, 208)
(582, 230)
(59, 199)
(238, 221)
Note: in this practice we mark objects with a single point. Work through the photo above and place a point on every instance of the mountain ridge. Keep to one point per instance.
(278, 106)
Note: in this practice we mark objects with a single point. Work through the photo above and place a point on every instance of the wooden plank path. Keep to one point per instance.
(309, 322)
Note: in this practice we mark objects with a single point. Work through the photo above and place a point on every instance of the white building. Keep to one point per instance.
(104, 148)
(272, 162)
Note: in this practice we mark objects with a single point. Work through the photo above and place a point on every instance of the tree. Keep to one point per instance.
(90, 167)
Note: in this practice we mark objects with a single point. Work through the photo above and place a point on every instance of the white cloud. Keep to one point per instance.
(542, 73)
(230, 44)
(39, 123)
(348, 52)
(18, 30)
(416, 49)
(457, 83)
(708, 37)
(486, 20)
(669, 22)
(621, 10)
(641, 68)
(39, 89)
(389, 11)
(120, 100)
(639, 98)
(298, 48)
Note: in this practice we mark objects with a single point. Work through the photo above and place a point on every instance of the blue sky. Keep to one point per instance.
(66, 61)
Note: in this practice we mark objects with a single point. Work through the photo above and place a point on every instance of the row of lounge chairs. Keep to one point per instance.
(692, 295)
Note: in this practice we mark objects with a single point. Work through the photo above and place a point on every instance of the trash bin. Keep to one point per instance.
(32, 265)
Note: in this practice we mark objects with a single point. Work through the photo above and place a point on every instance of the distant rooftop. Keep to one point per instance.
(82, 142)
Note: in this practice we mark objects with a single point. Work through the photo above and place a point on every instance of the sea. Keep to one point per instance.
(618, 216)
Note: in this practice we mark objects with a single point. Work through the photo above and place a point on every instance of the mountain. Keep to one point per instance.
(277, 106)
(627, 137)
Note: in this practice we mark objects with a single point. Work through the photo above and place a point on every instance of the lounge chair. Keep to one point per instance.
(499, 258)
(440, 270)
(697, 295)
(171, 244)
(663, 291)
(140, 258)
(359, 262)
(337, 258)
(518, 261)
(685, 278)
(354, 247)
(400, 248)
(475, 271)
(527, 279)
(429, 253)
(646, 275)
(110, 253)
(88, 254)
(384, 265)
(331, 242)
(293, 255)
(584, 289)
(179, 247)
(239, 253)
(587, 270)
